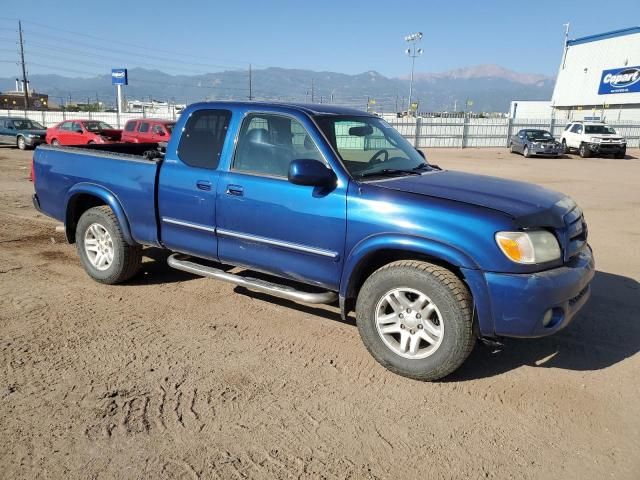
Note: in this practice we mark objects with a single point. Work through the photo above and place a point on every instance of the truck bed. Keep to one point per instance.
(120, 170)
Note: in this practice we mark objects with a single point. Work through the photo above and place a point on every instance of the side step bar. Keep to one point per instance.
(181, 262)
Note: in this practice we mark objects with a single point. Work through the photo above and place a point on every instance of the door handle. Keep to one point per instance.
(203, 185)
(235, 190)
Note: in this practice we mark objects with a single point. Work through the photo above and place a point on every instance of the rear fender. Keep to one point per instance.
(107, 197)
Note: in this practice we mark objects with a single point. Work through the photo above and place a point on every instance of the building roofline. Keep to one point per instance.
(603, 36)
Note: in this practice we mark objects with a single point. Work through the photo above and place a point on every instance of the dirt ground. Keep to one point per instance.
(175, 376)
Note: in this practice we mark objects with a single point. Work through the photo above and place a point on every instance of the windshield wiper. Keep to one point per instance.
(389, 171)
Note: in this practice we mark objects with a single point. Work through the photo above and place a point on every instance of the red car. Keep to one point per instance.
(82, 132)
(147, 130)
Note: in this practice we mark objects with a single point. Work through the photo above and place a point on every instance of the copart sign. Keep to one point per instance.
(620, 80)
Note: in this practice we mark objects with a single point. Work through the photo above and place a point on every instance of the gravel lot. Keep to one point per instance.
(175, 376)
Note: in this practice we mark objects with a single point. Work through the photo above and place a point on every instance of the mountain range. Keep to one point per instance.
(489, 88)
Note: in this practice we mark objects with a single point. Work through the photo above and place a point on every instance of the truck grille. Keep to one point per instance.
(576, 233)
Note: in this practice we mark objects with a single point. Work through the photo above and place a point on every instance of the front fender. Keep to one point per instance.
(442, 252)
(411, 244)
(107, 197)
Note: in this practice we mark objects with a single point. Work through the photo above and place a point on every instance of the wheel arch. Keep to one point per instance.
(84, 196)
(374, 252)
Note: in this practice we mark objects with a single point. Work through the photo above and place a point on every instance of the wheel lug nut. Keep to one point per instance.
(412, 331)
(401, 315)
(419, 327)
(402, 326)
(418, 316)
(408, 310)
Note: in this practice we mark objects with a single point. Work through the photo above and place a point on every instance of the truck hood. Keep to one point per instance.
(529, 204)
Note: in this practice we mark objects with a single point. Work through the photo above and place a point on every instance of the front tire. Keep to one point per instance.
(584, 151)
(22, 143)
(104, 253)
(415, 318)
(55, 142)
(525, 152)
(565, 149)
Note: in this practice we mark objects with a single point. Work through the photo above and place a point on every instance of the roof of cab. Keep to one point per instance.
(308, 108)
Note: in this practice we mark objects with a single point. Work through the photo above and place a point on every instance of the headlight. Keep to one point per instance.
(536, 246)
(594, 140)
(30, 135)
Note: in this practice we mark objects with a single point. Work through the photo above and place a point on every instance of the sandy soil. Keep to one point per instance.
(174, 376)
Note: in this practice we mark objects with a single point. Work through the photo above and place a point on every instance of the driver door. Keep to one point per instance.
(269, 224)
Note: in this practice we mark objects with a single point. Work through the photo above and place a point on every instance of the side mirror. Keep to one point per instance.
(78, 130)
(311, 173)
(421, 153)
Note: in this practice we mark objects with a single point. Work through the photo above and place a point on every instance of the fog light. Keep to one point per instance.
(546, 320)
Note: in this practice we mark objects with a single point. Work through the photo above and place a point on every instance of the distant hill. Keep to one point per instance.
(490, 87)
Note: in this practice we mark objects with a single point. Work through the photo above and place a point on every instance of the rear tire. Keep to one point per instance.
(446, 319)
(583, 151)
(511, 150)
(103, 251)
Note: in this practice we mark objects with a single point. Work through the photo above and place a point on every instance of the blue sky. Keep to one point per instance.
(343, 36)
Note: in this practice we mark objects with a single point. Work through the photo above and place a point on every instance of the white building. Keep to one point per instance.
(599, 76)
(153, 107)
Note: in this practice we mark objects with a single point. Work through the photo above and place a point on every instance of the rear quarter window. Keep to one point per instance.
(203, 137)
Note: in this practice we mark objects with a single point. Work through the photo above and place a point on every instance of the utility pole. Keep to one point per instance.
(413, 52)
(313, 97)
(250, 88)
(24, 69)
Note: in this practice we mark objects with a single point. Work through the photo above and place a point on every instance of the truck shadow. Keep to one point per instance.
(606, 331)
(155, 271)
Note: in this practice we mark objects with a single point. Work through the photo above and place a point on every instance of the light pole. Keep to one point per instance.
(413, 52)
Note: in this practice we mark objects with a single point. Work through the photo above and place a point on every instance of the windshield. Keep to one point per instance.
(599, 129)
(369, 145)
(27, 125)
(538, 135)
(97, 126)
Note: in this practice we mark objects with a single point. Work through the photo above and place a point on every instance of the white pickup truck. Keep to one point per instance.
(593, 138)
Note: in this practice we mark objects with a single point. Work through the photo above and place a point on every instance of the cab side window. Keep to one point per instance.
(268, 143)
(577, 128)
(203, 137)
(76, 126)
(130, 126)
(144, 127)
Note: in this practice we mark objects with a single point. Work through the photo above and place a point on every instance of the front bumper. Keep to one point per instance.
(34, 141)
(606, 148)
(519, 301)
(551, 150)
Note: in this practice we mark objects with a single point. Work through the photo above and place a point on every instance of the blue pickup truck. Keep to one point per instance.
(330, 205)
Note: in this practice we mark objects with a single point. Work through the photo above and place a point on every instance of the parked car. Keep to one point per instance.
(147, 130)
(530, 142)
(336, 206)
(21, 132)
(82, 132)
(593, 138)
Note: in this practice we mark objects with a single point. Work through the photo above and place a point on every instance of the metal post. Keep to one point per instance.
(465, 126)
(413, 53)
(416, 137)
(509, 126)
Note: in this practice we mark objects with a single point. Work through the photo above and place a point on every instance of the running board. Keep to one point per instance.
(181, 262)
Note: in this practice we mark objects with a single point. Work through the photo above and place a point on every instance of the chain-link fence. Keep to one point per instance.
(422, 132)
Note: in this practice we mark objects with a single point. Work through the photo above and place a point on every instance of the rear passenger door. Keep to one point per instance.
(187, 184)
(143, 132)
(270, 224)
